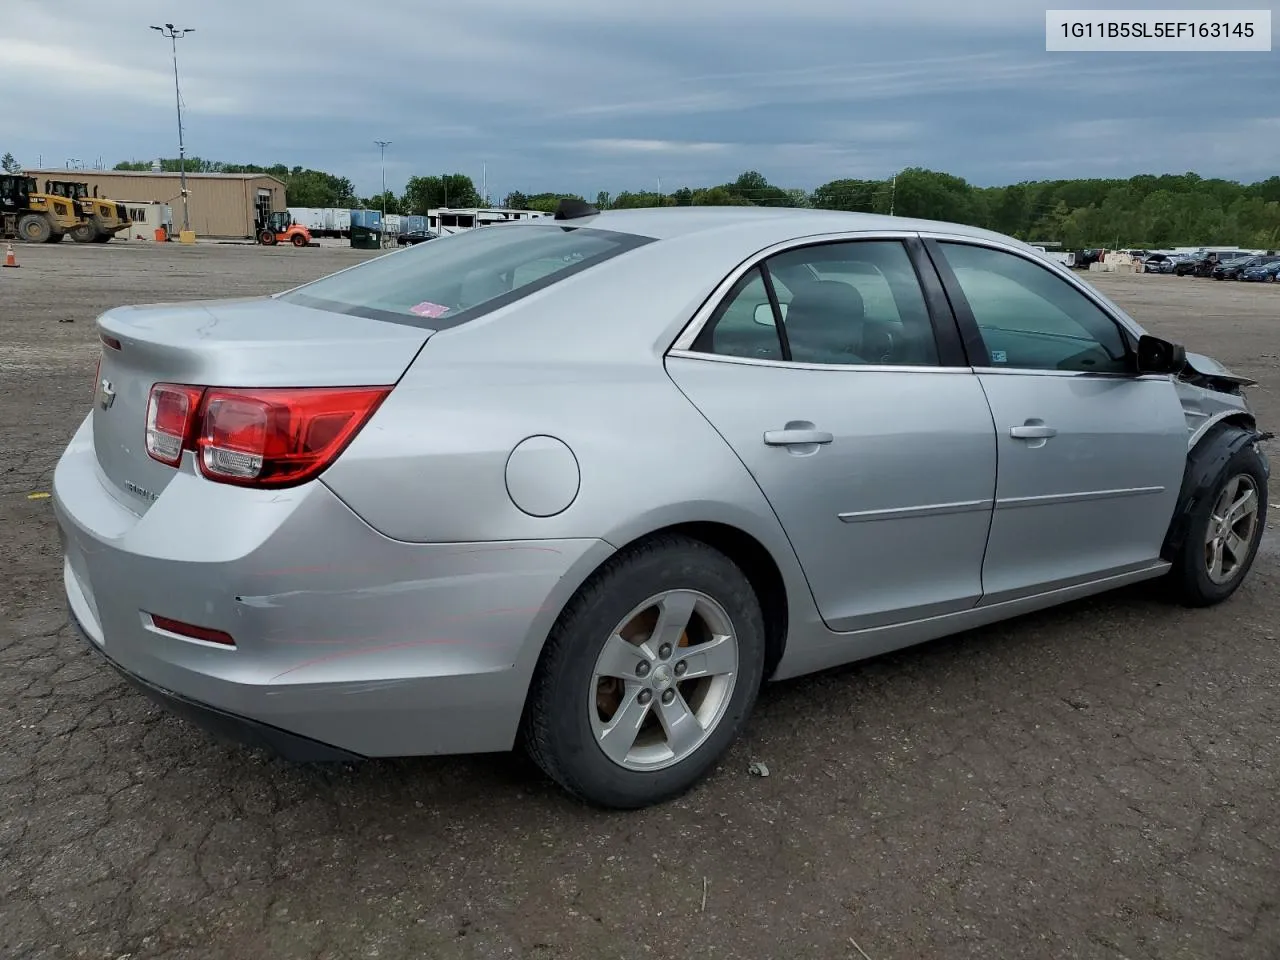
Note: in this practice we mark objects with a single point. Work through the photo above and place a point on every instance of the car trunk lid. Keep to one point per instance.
(259, 342)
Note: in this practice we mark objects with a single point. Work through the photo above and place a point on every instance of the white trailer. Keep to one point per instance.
(310, 217)
(337, 222)
(447, 220)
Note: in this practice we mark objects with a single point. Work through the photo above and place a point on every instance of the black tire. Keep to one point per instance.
(56, 237)
(299, 240)
(1189, 581)
(35, 228)
(84, 233)
(557, 729)
(104, 236)
(267, 238)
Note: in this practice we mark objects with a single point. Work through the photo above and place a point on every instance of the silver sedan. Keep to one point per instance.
(584, 484)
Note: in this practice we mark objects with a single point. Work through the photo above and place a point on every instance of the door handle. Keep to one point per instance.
(1032, 431)
(794, 437)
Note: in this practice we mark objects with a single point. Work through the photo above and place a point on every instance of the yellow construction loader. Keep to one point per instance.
(103, 218)
(33, 216)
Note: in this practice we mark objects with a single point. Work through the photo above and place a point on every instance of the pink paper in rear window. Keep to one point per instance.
(428, 309)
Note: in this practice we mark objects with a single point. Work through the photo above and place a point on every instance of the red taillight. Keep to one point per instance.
(272, 437)
(207, 634)
(171, 410)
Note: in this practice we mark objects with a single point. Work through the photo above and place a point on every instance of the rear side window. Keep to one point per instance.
(457, 278)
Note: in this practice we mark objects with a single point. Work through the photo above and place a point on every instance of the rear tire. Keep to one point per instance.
(608, 669)
(84, 233)
(104, 237)
(1223, 533)
(35, 228)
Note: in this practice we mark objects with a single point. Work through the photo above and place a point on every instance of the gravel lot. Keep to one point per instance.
(1095, 781)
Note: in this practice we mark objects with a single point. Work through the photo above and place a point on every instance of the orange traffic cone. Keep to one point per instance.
(9, 259)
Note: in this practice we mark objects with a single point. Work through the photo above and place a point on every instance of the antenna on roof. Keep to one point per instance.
(570, 209)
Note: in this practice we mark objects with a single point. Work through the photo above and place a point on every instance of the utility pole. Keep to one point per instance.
(382, 145)
(175, 34)
(893, 194)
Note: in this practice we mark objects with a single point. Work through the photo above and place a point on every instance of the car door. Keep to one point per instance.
(865, 430)
(1091, 455)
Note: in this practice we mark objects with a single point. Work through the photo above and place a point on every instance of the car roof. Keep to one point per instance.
(665, 223)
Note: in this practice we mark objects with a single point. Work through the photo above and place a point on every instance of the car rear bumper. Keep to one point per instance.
(224, 725)
(344, 637)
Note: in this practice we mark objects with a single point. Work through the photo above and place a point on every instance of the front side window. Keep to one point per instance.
(856, 302)
(456, 278)
(1031, 319)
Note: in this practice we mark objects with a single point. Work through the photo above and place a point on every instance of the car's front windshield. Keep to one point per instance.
(456, 278)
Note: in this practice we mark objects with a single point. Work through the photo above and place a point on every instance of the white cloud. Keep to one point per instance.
(647, 146)
(566, 94)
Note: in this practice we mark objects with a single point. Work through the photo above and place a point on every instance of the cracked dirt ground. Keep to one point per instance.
(1095, 781)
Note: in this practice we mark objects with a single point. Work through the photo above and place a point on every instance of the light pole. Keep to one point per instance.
(175, 34)
(382, 146)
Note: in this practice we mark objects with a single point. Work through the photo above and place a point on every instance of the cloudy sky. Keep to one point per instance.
(588, 95)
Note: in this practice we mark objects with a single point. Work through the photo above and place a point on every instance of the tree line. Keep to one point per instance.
(1142, 211)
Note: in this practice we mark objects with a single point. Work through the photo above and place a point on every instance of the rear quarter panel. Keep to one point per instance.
(581, 361)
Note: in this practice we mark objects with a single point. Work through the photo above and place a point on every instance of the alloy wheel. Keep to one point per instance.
(663, 680)
(1232, 525)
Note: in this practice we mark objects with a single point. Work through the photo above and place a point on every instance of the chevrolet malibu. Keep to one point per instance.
(584, 484)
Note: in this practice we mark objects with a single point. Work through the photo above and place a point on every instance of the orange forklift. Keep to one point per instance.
(279, 227)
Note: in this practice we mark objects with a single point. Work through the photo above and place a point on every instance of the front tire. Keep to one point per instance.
(35, 228)
(1223, 532)
(648, 675)
(84, 233)
(299, 240)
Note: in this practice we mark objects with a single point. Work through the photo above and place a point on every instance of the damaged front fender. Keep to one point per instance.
(1204, 464)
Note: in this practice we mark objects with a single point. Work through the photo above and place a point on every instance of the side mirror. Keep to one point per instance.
(764, 313)
(1160, 356)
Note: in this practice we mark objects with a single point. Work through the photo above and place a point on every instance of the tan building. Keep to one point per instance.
(222, 204)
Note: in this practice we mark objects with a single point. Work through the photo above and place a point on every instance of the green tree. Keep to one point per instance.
(851, 195)
(547, 202)
(752, 187)
(719, 197)
(452, 190)
(376, 202)
(9, 164)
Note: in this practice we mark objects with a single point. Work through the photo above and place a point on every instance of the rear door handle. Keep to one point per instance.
(1033, 431)
(793, 437)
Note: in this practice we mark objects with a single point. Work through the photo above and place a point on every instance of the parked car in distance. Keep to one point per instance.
(1160, 263)
(1265, 272)
(414, 237)
(1231, 269)
(1201, 264)
(583, 484)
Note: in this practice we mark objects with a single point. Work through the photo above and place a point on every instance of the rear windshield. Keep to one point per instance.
(448, 281)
